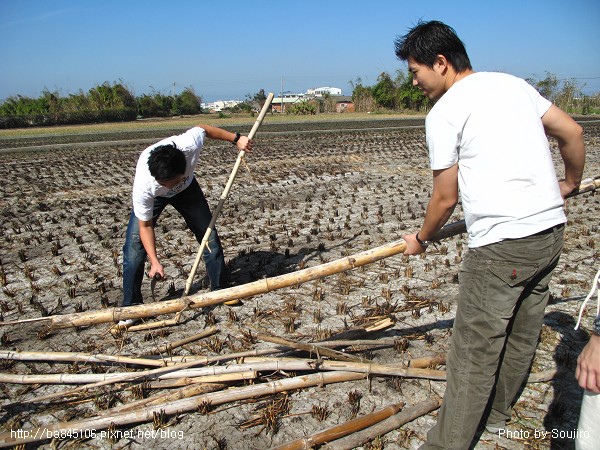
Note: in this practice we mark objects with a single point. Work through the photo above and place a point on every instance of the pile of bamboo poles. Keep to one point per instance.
(187, 384)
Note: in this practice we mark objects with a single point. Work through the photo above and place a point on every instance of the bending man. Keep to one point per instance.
(165, 175)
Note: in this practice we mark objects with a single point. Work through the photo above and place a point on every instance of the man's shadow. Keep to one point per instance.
(252, 265)
(242, 269)
(563, 413)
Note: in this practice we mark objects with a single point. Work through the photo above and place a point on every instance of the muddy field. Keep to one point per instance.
(310, 193)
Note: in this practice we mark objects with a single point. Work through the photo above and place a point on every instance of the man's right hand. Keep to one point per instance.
(156, 269)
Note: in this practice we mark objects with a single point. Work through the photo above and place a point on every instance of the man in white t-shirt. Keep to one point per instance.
(165, 176)
(486, 136)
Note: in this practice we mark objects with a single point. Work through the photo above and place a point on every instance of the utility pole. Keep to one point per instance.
(282, 107)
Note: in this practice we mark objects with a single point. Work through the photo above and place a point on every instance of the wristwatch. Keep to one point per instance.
(423, 244)
(236, 138)
(596, 329)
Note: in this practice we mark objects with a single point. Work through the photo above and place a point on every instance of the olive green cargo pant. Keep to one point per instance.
(502, 296)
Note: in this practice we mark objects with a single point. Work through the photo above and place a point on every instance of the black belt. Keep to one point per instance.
(549, 230)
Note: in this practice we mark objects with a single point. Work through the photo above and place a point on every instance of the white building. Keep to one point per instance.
(220, 105)
(318, 92)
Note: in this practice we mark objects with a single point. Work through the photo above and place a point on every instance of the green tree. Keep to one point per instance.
(147, 106)
(409, 97)
(303, 108)
(362, 97)
(187, 102)
(546, 87)
(259, 99)
(384, 92)
(565, 99)
(107, 96)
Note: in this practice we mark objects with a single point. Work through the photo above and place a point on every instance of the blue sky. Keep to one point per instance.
(226, 49)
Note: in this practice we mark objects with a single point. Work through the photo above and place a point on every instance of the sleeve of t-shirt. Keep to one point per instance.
(442, 138)
(542, 104)
(143, 204)
(191, 140)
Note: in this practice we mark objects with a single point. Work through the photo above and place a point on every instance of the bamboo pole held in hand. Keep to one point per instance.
(217, 211)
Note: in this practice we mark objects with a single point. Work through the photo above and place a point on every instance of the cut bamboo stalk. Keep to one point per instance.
(152, 325)
(156, 372)
(541, 377)
(384, 427)
(8, 439)
(186, 381)
(180, 371)
(342, 430)
(251, 289)
(224, 195)
(357, 343)
(216, 297)
(168, 348)
(428, 361)
(312, 348)
(360, 332)
(184, 392)
(77, 357)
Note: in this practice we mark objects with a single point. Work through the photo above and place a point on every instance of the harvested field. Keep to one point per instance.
(310, 193)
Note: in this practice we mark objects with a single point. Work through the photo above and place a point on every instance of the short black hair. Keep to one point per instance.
(166, 162)
(426, 40)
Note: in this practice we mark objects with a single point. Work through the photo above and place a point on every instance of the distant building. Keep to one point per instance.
(279, 104)
(319, 92)
(282, 102)
(220, 105)
(344, 104)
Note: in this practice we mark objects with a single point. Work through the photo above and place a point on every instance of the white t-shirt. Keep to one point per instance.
(490, 123)
(145, 187)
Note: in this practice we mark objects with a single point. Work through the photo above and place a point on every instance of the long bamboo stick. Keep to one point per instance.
(224, 195)
(186, 381)
(287, 364)
(342, 430)
(97, 423)
(216, 297)
(168, 348)
(312, 347)
(184, 392)
(384, 427)
(251, 289)
(19, 355)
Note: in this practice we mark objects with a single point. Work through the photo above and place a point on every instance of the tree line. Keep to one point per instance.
(103, 103)
(115, 102)
(398, 94)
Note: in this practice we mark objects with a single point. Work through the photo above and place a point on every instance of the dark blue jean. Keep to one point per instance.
(192, 205)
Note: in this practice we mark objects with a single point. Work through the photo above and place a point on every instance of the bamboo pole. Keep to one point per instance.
(77, 357)
(216, 297)
(212, 374)
(168, 348)
(184, 392)
(251, 289)
(223, 198)
(186, 381)
(97, 423)
(312, 348)
(179, 371)
(342, 430)
(384, 427)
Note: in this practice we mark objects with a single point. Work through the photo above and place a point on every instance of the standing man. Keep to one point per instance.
(486, 136)
(165, 175)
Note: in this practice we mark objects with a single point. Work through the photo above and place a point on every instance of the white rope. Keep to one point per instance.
(595, 285)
